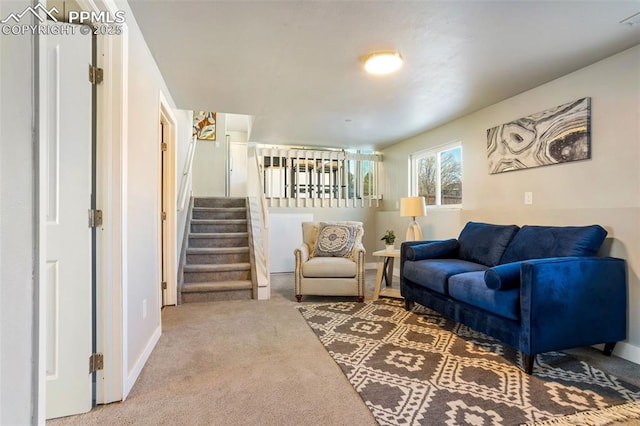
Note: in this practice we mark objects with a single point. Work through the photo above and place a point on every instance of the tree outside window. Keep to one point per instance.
(438, 176)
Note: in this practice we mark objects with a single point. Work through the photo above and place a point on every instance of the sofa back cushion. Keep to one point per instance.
(537, 242)
(485, 243)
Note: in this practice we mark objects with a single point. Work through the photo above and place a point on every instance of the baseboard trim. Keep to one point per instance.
(141, 361)
(624, 350)
(627, 351)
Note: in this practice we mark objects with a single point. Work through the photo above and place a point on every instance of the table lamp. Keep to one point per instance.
(413, 207)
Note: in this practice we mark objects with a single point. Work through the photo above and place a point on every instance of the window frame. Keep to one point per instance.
(436, 152)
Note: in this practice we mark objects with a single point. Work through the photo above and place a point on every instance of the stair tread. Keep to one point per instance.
(225, 267)
(216, 209)
(218, 234)
(219, 198)
(219, 221)
(213, 286)
(217, 250)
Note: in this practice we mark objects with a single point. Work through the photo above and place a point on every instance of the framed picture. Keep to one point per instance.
(204, 125)
(557, 135)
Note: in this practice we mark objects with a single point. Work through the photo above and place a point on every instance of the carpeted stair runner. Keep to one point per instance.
(217, 257)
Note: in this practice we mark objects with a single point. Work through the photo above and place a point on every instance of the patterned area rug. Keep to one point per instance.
(420, 368)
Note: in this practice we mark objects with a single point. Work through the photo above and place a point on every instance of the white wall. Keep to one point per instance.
(238, 157)
(17, 347)
(209, 163)
(366, 215)
(185, 119)
(281, 257)
(143, 200)
(604, 190)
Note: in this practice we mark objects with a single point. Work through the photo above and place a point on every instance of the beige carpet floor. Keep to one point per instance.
(252, 363)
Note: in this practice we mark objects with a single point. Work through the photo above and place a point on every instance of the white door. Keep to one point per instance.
(238, 169)
(68, 278)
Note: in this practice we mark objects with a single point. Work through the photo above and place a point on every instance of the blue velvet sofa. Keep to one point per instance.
(535, 288)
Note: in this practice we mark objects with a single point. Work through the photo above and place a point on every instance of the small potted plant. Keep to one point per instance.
(389, 240)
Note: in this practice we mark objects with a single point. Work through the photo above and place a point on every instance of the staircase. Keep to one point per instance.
(217, 262)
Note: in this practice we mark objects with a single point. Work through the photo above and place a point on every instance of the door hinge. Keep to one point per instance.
(164, 146)
(164, 285)
(96, 75)
(163, 215)
(96, 362)
(95, 218)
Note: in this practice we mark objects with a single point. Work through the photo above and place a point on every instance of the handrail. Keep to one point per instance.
(186, 175)
(263, 200)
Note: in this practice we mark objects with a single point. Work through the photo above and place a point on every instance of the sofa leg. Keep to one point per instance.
(299, 298)
(360, 299)
(528, 363)
(408, 304)
(608, 348)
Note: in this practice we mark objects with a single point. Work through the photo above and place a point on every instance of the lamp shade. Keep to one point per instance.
(413, 206)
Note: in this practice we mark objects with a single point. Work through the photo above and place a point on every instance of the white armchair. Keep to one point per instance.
(330, 261)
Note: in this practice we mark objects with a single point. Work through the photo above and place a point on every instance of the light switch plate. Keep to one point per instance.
(528, 198)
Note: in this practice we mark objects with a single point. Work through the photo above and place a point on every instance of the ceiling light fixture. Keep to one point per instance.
(383, 62)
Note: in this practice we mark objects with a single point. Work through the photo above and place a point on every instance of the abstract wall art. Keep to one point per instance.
(557, 135)
(204, 125)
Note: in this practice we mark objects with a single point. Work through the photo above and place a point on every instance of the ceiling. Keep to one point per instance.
(297, 65)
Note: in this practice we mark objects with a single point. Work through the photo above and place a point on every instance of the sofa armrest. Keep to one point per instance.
(569, 302)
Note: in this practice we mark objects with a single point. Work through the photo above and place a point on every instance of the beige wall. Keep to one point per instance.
(604, 190)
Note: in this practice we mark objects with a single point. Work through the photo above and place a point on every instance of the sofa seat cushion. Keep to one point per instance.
(485, 243)
(470, 288)
(537, 242)
(329, 267)
(434, 273)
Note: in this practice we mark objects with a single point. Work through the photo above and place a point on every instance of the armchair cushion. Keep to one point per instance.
(503, 277)
(433, 250)
(335, 240)
(329, 267)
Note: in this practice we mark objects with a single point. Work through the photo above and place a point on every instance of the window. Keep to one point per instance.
(437, 175)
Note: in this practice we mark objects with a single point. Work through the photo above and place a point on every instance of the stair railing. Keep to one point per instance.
(187, 173)
(259, 222)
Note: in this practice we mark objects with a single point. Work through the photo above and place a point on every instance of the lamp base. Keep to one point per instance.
(414, 233)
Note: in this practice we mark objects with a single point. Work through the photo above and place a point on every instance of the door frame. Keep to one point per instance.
(168, 186)
(112, 182)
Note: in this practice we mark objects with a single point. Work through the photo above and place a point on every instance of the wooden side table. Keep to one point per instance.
(385, 273)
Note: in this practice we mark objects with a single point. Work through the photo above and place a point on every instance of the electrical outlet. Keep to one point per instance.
(528, 198)
(144, 309)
